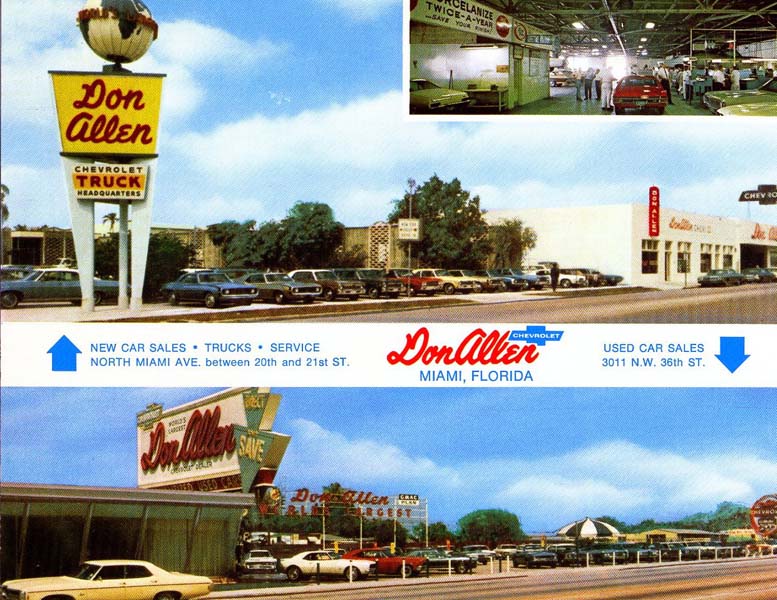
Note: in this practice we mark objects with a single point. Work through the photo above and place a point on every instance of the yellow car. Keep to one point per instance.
(110, 580)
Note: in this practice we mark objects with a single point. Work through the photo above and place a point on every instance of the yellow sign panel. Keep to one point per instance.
(106, 114)
(109, 182)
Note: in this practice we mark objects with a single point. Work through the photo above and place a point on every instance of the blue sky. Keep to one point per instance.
(548, 455)
(302, 101)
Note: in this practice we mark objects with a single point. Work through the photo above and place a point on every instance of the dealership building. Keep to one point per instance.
(646, 245)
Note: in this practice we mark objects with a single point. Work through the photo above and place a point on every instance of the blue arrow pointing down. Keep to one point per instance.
(63, 355)
(732, 352)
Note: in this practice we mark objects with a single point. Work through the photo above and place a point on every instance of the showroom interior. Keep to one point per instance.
(521, 57)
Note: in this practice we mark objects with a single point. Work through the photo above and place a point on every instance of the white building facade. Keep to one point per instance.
(665, 248)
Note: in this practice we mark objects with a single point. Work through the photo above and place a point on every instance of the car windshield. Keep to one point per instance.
(770, 86)
(422, 84)
(628, 81)
(349, 274)
(214, 278)
(274, 277)
(402, 273)
(372, 273)
(87, 571)
(325, 275)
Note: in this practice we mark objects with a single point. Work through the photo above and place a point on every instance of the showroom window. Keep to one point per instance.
(683, 257)
(649, 256)
(706, 258)
(728, 257)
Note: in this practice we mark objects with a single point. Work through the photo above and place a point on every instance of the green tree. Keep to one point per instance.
(454, 232)
(511, 239)
(111, 218)
(490, 527)
(438, 533)
(383, 530)
(309, 236)
(166, 253)
(236, 241)
(4, 192)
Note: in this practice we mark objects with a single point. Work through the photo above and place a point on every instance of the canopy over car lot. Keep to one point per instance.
(583, 27)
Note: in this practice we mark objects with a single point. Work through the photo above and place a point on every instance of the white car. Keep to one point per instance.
(480, 553)
(257, 562)
(327, 564)
(109, 580)
(506, 550)
(426, 96)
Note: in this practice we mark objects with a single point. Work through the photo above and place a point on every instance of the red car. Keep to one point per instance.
(388, 564)
(641, 93)
(417, 284)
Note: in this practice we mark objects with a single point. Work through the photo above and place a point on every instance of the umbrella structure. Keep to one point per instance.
(588, 528)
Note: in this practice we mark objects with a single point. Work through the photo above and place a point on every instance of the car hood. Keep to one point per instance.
(744, 96)
(759, 109)
(42, 584)
(439, 93)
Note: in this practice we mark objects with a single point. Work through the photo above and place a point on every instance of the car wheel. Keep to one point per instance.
(459, 567)
(211, 301)
(172, 298)
(329, 295)
(373, 293)
(9, 300)
(478, 288)
(279, 297)
(294, 573)
(407, 571)
(449, 288)
(413, 292)
(98, 298)
(166, 596)
(502, 287)
(565, 283)
(351, 574)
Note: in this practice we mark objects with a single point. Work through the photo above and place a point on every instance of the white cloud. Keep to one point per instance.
(618, 478)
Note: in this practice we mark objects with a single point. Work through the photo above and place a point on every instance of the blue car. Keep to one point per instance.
(209, 288)
(53, 285)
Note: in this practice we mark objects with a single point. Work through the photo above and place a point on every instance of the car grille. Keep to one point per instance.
(308, 289)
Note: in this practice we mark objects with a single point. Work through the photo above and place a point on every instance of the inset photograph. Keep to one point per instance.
(623, 57)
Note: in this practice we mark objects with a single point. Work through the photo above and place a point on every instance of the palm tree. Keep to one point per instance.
(4, 191)
(111, 219)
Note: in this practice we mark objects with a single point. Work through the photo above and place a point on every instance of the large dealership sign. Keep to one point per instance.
(478, 19)
(103, 114)
(358, 503)
(222, 442)
(654, 212)
(765, 194)
(763, 516)
(104, 182)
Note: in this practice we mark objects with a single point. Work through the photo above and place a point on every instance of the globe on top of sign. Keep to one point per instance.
(120, 31)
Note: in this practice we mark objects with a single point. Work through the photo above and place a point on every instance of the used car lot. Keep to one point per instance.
(325, 563)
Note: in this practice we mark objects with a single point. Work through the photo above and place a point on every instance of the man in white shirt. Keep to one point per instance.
(607, 80)
(663, 76)
(735, 77)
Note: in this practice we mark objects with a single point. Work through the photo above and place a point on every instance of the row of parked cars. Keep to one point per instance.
(568, 554)
(217, 287)
(726, 277)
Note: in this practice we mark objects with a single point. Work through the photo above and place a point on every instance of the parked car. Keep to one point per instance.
(439, 559)
(523, 279)
(208, 287)
(375, 282)
(479, 552)
(257, 562)
(571, 278)
(607, 279)
(280, 288)
(53, 285)
(418, 285)
(389, 564)
(607, 555)
(450, 283)
(99, 579)
(426, 97)
(759, 275)
(640, 93)
(637, 552)
(722, 277)
(505, 550)
(566, 554)
(234, 273)
(483, 282)
(496, 283)
(592, 276)
(331, 287)
(765, 94)
(326, 563)
(542, 273)
(561, 77)
(532, 557)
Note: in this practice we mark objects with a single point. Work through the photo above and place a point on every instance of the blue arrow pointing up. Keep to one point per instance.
(63, 355)
(732, 352)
